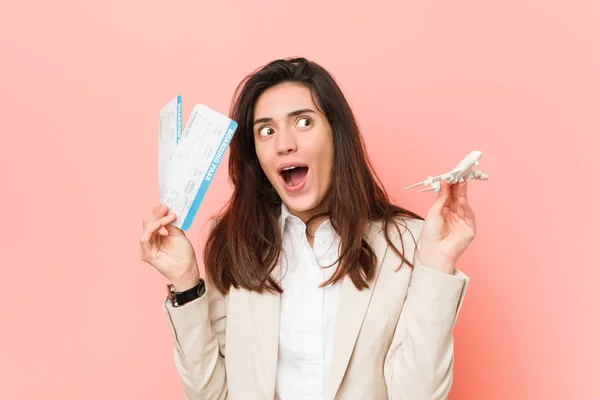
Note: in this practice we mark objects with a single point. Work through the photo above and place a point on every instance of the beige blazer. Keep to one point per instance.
(392, 341)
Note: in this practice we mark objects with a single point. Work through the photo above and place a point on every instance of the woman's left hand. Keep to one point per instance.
(448, 229)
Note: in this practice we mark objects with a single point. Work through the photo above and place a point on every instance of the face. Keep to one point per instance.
(294, 145)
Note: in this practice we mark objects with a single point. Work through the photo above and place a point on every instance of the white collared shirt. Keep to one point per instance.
(307, 311)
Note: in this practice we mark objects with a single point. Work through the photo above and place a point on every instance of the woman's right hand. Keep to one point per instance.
(171, 254)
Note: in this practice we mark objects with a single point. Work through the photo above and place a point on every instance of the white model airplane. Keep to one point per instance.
(464, 170)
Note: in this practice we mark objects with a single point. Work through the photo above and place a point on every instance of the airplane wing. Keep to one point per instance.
(428, 181)
(464, 170)
(435, 187)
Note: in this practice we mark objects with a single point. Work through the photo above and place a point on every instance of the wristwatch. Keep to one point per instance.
(180, 298)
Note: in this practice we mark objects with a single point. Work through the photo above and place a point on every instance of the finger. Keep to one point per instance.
(153, 228)
(456, 202)
(441, 201)
(459, 190)
(164, 222)
(461, 211)
(173, 230)
(146, 244)
(468, 213)
(466, 206)
(459, 196)
(453, 200)
(158, 211)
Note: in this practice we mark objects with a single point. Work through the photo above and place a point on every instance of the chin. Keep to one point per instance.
(303, 200)
(299, 205)
(304, 206)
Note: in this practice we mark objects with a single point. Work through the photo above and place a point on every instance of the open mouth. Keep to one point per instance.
(294, 176)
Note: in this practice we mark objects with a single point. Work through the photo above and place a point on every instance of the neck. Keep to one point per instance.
(313, 218)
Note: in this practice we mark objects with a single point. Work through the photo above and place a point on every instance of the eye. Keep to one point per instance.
(304, 122)
(265, 131)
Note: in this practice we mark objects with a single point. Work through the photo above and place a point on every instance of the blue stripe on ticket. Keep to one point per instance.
(179, 131)
(210, 173)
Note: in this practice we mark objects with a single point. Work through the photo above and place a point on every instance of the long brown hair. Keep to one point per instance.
(244, 245)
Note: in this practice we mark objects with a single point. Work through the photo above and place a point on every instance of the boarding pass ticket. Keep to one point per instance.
(189, 158)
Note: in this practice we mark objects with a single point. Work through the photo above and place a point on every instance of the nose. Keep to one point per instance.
(286, 142)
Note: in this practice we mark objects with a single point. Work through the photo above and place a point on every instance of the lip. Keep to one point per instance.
(298, 187)
(283, 166)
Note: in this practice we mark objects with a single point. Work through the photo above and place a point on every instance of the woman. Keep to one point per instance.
(314, 288)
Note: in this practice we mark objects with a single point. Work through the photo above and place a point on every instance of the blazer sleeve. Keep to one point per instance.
(198, 333)
(420, 361)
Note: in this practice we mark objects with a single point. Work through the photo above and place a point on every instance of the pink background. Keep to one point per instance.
(82, 84)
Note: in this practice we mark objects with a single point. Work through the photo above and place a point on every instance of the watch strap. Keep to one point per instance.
(180, 298)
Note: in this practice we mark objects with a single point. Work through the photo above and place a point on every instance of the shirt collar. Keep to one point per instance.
(287, 216)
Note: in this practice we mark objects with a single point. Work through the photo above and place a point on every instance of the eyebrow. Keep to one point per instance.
(292, 114)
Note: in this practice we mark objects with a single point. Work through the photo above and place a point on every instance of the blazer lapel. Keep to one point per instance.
(265, 307)
(353, 306)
